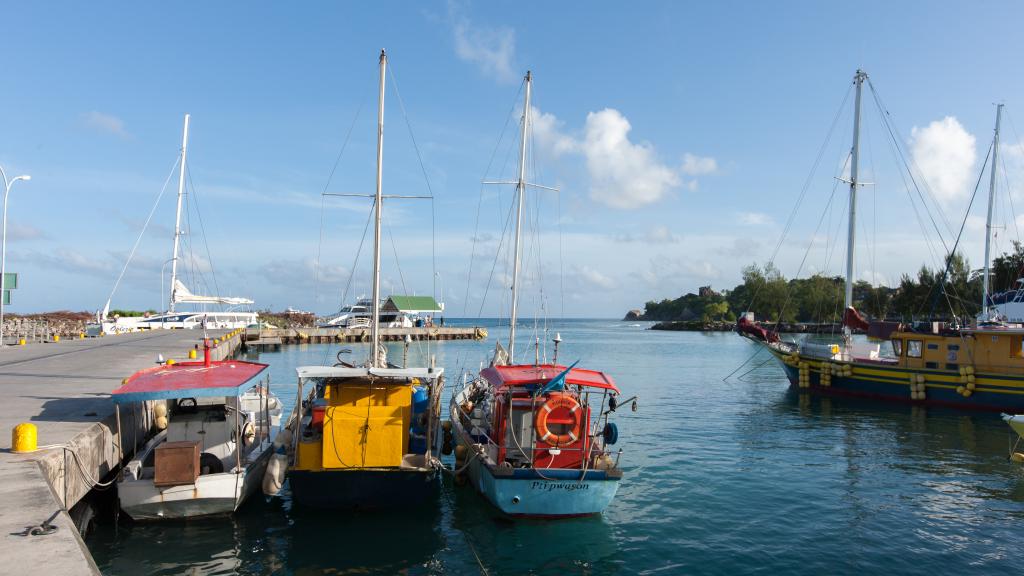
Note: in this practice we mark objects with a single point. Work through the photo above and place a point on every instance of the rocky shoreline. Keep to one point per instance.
(787, 327)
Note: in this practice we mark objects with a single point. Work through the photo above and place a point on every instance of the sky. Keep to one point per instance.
(679, 135)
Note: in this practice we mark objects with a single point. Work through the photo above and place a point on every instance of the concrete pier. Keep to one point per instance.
(324, 335)
(63, 388)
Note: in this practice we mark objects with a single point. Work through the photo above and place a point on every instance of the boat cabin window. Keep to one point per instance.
(932, 346)
(1016, 347)
(914, 348)
(897, 346)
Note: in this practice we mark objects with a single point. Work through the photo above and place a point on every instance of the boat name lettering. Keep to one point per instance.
(567, 486)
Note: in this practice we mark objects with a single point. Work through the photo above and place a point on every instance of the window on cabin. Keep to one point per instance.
(1016, 347)
(952, 347)
(914, 348)
(897, 347)
(933, 346)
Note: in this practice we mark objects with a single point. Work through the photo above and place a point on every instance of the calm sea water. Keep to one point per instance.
(721, 477)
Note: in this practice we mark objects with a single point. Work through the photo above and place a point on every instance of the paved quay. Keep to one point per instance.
(63, 388)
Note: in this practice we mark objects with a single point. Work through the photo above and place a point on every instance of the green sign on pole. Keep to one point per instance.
(10, 281)
(7, 297)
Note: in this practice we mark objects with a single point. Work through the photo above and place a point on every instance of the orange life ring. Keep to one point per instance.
(563, 403)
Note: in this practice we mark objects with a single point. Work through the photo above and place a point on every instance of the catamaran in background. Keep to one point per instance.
(229, 312)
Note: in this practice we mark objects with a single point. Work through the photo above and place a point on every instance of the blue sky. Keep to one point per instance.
(679, 135)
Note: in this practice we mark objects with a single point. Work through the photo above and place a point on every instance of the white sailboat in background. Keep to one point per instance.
(231, 315)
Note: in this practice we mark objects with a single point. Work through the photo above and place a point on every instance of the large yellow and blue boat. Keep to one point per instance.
(365, 436)
(977, 367)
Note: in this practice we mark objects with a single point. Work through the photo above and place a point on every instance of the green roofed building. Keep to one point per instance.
(411, 305)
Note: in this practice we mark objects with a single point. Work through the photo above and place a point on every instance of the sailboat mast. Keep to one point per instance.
(988, 221)
(858, 79)
(520, 193)
(177, 217)
(375, 320)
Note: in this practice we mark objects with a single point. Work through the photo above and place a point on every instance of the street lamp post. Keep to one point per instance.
(3, 244)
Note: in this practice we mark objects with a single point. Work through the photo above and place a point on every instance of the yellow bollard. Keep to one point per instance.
(170, 362)
(21, 341)
(24, 438)
(81, 335)
(56, 337)
(192, 354)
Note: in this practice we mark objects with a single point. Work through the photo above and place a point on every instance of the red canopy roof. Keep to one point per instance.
(188, 380)
(526, 374)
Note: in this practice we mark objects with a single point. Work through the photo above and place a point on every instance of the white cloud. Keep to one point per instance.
(70, 261)
(106, 123)
(548, 131)
(944, 153)
(491, 49)
(591, 276)
(667, 271)
(697, 165)
(753, 218)
(659, 234)
(16, 232)
(623, 174)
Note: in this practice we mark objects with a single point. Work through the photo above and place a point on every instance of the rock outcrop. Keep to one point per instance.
(634, 315)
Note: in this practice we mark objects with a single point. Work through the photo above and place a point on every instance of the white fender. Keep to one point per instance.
(273, 478)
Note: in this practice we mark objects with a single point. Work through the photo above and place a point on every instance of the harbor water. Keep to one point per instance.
(737, 476)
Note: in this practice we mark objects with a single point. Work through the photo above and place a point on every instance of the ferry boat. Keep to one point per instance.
(217, 423)
(366, 434)
(978, 367)
(535, 439)
(231, 312)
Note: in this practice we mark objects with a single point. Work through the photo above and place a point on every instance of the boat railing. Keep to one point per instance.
(588, 450)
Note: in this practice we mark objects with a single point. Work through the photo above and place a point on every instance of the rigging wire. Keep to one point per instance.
(426, 178)
(323, 200)
(897, 138)
(143, 231)
(807, 185)
(202, 229)
(476, 224)
(941, 285)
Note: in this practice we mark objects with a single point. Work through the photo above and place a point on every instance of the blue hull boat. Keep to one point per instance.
(531, 452)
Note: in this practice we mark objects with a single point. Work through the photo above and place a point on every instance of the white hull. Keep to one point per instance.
(211, 494)
(175, 321)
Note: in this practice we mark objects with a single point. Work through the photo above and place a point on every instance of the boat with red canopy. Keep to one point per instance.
(535, 439)
(214, 422)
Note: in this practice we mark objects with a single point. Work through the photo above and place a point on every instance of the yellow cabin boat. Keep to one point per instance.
(366, 437)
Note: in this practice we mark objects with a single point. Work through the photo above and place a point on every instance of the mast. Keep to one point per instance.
(177, 218)
(858, 79)
(988, 221)
(375, 320)
(520, 191)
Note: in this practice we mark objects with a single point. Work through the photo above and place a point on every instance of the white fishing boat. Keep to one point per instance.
(210, 312)
(217, 424)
